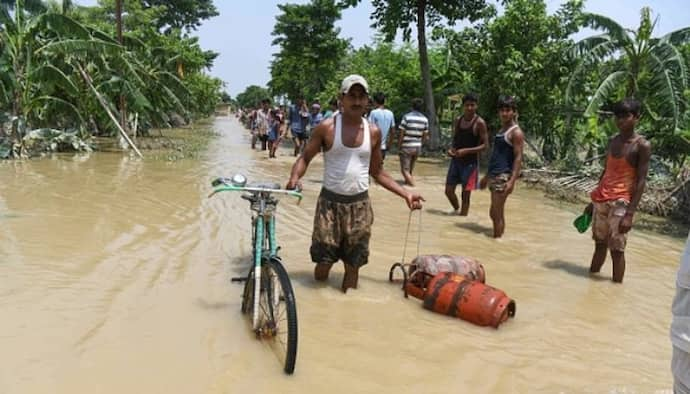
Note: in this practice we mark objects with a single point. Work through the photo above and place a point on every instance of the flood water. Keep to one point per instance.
(115, 278)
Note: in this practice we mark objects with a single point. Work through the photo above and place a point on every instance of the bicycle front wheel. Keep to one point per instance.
(278, 312)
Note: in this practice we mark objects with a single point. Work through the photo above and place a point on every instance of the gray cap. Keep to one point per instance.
(352, 80)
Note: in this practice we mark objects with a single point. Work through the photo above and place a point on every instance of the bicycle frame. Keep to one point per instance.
(264, 230)
(265, 245)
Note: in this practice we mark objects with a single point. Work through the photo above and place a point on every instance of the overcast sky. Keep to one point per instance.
(242, 31)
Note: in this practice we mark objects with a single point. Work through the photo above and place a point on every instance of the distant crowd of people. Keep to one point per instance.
(270, 126)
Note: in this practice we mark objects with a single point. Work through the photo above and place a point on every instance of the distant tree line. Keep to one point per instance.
(564, 88)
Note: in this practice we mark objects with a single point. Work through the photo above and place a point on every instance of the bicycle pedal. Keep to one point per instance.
(238, 279)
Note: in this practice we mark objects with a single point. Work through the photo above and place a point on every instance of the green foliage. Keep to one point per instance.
(42, 55)
(391, 16)
(182, 14)
(310, 49)
(520, 53)
(51, 140)
(387, 68)
(206, 90)
(32, 6)
(174, 80)
(157, 15)
(252, 96)
(39, 141)
(225, 97)
(634, 63)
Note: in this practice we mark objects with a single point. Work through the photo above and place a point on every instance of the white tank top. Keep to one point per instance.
(346, 170)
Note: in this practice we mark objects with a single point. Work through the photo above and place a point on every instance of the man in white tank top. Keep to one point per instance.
(352, 153)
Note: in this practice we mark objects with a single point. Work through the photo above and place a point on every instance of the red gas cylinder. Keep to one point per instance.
(473, 301)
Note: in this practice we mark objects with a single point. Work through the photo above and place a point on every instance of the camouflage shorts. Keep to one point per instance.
(342, 228)
(605, 222)
(498, 183)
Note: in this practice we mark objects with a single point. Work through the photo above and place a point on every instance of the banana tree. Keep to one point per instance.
(37, 58)
(636, 64)
(32, 6)
(31, 79)
(42, 56)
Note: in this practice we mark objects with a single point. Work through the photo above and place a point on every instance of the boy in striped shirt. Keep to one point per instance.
(414, 132)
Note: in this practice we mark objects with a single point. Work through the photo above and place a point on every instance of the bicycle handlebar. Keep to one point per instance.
(222, 185)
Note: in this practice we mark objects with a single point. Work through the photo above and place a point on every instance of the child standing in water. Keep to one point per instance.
(505, 163)
(615, 199)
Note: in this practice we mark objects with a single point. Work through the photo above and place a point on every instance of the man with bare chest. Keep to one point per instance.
(615, 199)
(352, 152)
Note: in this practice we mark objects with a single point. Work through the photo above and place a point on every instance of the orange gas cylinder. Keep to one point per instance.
(473, 301)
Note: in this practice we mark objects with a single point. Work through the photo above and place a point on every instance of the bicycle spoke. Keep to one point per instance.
(281, 315)
(266, 314)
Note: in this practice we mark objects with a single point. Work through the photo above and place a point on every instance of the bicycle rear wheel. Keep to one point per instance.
(277, 311)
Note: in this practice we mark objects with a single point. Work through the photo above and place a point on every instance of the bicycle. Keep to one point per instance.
(267, 286)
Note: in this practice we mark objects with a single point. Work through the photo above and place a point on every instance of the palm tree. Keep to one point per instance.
(634, 63)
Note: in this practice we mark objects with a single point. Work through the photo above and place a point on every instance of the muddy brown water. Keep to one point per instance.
(114, 278)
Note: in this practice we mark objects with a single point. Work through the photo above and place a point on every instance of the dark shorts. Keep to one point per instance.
(342, 228)
(408, 158)
(300, 135)
(273, 135)
(466, 175)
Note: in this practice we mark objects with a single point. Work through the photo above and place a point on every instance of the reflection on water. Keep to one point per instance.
(115, 278)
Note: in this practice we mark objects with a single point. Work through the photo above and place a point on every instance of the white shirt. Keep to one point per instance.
(680, 326)
(346, 170)
(262, 120)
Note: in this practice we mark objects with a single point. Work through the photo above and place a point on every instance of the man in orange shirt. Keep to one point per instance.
(615, 199)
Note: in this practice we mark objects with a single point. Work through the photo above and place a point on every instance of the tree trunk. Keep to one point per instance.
(104, 104)
(17, 107)
(118, 26)
(426, 75)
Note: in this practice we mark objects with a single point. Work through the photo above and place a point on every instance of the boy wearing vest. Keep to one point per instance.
(615, 199)
(469, 140)
(505, 163)
(352, 153)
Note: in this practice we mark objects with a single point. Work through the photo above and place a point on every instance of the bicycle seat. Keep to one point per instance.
(265, 185)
